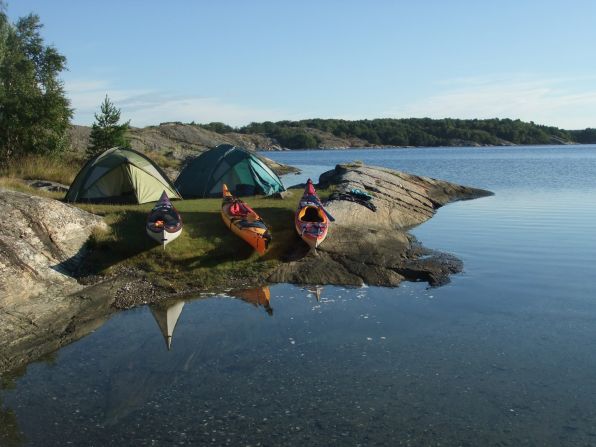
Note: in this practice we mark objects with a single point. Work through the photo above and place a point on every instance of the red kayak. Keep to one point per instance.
(311, 219)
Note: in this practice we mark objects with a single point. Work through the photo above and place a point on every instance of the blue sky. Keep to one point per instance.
(242, 61)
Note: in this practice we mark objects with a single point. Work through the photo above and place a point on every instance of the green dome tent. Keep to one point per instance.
(242, 171)
(120, 175)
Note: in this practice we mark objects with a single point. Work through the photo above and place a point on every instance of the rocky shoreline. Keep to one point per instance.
(42, 242)
(369, 243)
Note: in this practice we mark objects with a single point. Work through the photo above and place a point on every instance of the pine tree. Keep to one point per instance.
(106, 132)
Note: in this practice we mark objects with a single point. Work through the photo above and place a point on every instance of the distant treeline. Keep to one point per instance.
(410, 132)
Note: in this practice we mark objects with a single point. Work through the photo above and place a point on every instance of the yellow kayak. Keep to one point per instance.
(243, 221)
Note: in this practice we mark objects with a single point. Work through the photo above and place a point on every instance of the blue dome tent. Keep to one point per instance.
(241, 170)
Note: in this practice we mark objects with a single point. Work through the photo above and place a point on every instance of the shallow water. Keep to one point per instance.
(503, 355)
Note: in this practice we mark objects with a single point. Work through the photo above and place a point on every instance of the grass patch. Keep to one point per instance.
(61, 169)
(206, 255)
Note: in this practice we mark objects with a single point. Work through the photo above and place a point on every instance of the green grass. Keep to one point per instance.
(61, 169)
(206, 254)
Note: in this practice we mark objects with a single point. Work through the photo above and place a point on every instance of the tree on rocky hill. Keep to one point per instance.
(106, 132)
(34, 111)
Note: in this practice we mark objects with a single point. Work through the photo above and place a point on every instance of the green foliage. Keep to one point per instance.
(289, 134)
(220, 128)
(34, 112)
(586, 136)
(106, 132)
(417, 132)
(295, 138)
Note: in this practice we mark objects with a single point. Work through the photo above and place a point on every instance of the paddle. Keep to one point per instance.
(312, 196)
(331, 218)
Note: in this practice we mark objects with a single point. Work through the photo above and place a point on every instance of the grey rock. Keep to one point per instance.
(46, 185)
(41, 242)
(402, 200)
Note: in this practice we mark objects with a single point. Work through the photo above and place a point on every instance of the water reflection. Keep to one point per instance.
(10, 434)
(258, 296)
(166, 315)
(316, 291)
(140, 373)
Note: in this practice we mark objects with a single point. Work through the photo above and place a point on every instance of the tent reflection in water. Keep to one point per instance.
(242, 170)
(166, 315)
(257, 296)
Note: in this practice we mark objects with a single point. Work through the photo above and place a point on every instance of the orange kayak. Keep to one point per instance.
(244, 222)
(258, 296)
(311, 221)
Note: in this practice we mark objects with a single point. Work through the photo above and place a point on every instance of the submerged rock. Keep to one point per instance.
(368, 243)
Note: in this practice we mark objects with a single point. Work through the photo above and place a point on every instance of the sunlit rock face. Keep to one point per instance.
(41, 242)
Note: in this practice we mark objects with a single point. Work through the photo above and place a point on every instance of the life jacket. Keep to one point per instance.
(239, 208)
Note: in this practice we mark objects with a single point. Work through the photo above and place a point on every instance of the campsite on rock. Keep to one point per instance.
(122, 262)
(297, 225)
(284, 224)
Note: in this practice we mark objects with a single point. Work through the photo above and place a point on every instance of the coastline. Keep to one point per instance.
(123, 268)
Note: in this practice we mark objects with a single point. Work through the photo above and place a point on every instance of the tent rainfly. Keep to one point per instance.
(242, 171)
(120, 175)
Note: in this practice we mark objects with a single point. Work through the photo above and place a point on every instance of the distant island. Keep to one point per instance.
(426, 132)
(338, 134)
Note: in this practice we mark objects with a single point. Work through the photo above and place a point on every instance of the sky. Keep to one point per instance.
(242, 61)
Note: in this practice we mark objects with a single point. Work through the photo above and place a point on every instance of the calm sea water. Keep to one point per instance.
(503, 355)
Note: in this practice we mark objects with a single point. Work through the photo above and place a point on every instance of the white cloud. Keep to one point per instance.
(146, 107)
(568, 103)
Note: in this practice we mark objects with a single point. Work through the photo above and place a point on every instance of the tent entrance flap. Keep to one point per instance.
(113, 184)
(239, 174)
(146, 187)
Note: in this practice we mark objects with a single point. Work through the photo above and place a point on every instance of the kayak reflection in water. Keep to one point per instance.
(316, 291)
(258, 296)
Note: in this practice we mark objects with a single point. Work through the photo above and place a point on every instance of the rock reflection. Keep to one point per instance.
(258, 296)
(10, 434)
